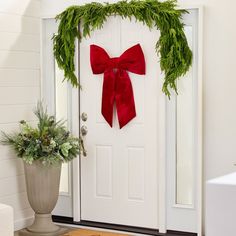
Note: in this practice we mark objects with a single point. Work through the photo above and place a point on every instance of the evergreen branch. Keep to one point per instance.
(172, 46)
(50, 142)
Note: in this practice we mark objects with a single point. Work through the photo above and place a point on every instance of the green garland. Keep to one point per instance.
(172, 46)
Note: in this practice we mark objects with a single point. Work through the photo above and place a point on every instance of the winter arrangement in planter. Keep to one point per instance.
(43, 149)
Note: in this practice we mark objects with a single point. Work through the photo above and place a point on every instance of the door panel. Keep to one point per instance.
(119, 179)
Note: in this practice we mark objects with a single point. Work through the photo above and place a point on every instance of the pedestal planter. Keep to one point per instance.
(50, 143)
(42, 184)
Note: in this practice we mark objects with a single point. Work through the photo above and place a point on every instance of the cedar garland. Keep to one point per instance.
(172, 46)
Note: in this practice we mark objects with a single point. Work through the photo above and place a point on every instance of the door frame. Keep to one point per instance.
(48, 94)
(75, 129)
(162, 159)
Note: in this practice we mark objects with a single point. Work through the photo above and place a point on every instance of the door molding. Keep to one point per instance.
(75, 129)
(162, 160)
(198, 194)
(48, 94)
(162, 165)
(200, 181)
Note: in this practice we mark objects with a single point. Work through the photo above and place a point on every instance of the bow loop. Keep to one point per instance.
(117, 86)
(98, 59)
(133, 60)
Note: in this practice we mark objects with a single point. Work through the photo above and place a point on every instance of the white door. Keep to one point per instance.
(119, 176)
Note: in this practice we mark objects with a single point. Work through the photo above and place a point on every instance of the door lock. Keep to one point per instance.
(84, 130)
(84, 116)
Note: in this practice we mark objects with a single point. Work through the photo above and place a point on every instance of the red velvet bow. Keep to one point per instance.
(117, 86)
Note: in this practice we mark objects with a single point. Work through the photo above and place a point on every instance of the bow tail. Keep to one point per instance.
(108, 96)
(124, 98)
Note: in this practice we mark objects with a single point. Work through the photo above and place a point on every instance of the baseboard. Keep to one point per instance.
(69, 220)
(179, 233)
(23, 223)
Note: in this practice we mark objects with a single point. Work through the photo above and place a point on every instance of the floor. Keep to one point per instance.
(133, 234)
(72, 228)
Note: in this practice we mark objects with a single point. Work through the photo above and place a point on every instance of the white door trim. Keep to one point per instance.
(162, 166)
(48, 94)
(162, 161)
(199, 157)
(75, 127)
(200, 181)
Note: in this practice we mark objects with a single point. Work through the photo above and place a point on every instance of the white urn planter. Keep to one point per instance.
(43, 149)
(42, 183)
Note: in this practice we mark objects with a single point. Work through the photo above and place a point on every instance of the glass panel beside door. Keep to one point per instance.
(57, 96)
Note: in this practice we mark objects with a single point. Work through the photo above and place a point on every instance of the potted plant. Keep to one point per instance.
(43, 149)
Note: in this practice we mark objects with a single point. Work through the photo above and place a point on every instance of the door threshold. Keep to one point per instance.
(130, 229)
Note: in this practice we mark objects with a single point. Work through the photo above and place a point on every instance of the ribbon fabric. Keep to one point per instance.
(117, 87)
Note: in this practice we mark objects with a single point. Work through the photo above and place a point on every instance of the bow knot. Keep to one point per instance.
(117, 86)
(113, 63)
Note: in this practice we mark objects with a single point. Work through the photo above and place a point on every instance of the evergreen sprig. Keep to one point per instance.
(172, 46)
(49, 143)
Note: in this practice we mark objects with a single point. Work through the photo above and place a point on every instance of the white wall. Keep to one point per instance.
(19, 92)
(219, 84)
